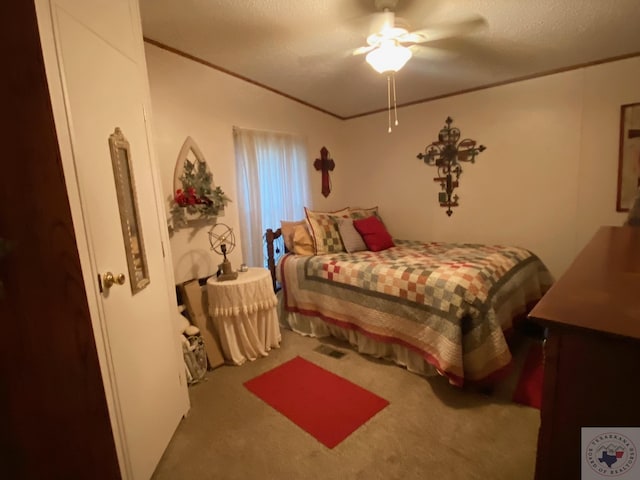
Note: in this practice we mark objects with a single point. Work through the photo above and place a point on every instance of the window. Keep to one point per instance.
(273, 185)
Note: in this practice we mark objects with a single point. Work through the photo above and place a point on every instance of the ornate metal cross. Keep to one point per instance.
(325, 164)
(446, 154)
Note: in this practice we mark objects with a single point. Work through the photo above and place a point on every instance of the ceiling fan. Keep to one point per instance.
(390, 42)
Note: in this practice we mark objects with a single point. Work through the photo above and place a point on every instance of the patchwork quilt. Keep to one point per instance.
(451, 303)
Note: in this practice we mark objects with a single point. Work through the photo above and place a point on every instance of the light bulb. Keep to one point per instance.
(388, 57)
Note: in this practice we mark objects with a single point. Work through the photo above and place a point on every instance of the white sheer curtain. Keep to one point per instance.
(273, 185)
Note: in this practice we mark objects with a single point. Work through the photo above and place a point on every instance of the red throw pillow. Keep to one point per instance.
(374, 233)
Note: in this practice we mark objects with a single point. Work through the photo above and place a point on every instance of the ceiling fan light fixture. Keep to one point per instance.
(388, 57)
(386, 34)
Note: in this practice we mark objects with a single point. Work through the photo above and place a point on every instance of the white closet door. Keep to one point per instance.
(99, 59)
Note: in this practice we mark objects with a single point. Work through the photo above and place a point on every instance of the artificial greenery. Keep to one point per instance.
(197, 198)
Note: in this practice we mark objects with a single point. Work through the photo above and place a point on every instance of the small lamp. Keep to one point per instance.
(223, 241)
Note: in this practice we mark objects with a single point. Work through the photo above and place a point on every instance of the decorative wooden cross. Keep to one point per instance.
(325, 164)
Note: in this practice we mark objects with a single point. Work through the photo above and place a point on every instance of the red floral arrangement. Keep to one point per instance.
(192, 203)
(189, 197)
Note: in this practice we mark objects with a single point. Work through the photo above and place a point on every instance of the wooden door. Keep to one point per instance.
(54, 418)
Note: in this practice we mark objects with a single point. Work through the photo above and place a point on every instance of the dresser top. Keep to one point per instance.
(601, 289)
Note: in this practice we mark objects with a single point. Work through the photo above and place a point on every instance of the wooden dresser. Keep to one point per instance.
(592, 349)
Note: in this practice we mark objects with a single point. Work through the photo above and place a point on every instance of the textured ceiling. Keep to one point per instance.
(303, 48)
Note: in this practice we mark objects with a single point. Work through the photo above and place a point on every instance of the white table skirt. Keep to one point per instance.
(244, 314)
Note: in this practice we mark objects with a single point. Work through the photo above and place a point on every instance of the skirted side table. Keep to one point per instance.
(244, 315)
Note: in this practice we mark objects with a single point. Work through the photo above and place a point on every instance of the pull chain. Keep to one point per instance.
(389, 100)
(395, 105)
(395, 109)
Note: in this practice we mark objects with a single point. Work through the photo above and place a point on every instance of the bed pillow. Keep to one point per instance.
(357, 213)
(351, 239)
(302, 241)
(374, 233)
(324, 231)
(288, 229)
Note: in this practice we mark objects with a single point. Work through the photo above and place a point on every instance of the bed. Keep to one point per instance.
(434, 308)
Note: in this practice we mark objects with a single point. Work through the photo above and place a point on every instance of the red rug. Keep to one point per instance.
(529, 388)
(323, 404)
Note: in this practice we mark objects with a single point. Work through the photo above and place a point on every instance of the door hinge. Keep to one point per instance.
(162, 246)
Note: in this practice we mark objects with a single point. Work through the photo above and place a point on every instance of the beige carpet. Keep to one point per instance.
(430, 430)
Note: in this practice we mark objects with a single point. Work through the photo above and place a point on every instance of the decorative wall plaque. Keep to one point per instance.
(446, 153)
(129, 213)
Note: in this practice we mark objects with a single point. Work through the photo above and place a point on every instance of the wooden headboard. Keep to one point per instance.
(270, 237)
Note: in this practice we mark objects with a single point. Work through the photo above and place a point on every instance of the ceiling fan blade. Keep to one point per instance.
(413, 37)
(446, 30)
(363, 50)
(432, 53)
(495, 55)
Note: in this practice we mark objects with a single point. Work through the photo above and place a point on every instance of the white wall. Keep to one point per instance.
(606, 87)
(191, 99)
(546, 181)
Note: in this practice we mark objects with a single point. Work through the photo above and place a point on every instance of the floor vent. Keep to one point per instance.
(332, 352)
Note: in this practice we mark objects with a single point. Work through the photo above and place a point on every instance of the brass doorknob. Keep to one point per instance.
(109, 279)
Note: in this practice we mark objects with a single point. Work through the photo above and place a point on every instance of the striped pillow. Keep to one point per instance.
(351, 239)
